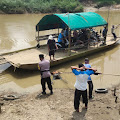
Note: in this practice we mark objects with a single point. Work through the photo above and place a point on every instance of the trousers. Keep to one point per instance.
(77, 96)
(114, 35)
(43, 83)
(90, 88)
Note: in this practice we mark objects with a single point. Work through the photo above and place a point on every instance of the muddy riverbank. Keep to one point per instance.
(59, 106)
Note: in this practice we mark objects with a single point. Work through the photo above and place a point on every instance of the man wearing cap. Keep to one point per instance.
(44, 67)
(89, 78)
(51, 46)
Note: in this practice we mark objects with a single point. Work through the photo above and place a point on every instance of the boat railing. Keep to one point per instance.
(45, 37)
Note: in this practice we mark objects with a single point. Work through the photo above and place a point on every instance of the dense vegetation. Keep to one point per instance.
(101, 3)
(37, 6)
(49, 6)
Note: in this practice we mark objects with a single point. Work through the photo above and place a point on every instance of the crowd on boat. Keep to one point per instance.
(79, 38)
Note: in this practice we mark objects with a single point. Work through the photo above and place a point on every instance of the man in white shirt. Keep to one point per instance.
(81, 84)
(113, 30)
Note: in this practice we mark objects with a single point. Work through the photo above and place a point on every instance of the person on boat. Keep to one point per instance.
(66, 33)
(104, 33)
(113, 30)
(75, 36)
(62, 41)
(89, 79)
(82, 74)
(61, 37)
(44, 67)
(51, 46)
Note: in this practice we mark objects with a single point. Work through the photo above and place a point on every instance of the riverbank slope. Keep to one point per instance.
(59, 106)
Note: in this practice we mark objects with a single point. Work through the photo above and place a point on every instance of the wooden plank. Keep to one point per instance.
(45, 37)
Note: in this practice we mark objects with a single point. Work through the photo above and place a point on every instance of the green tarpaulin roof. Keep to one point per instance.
(75, 21)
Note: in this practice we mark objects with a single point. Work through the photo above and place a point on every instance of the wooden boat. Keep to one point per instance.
(29, 58)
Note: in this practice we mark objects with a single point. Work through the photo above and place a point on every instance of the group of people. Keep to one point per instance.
(82, 73)
(104, 33)
(80, 37)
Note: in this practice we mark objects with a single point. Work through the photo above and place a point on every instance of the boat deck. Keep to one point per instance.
(31, 56)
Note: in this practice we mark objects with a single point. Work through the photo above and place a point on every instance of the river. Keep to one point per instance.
(18, 32)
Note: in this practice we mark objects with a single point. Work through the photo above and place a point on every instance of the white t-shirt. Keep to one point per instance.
(82, 78)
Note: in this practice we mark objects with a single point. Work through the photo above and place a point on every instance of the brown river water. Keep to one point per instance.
(18, 32)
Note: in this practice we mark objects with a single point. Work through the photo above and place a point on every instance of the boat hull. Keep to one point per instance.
(65, 59)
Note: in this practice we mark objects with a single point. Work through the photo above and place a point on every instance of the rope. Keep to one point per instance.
(98, 73)
(111, 74)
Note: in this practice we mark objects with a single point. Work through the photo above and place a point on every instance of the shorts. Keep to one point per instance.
(52, 52)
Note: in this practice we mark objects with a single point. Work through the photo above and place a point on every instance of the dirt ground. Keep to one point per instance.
(59, 106)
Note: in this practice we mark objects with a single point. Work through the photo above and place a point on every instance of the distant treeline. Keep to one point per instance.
(40, 6)
(49, 6)
(101, 3)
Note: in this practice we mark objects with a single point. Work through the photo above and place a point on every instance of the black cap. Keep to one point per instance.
(80, 65)
(41, 56)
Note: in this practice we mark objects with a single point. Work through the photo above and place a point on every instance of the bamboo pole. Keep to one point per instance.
(69, 51)
(69, 42)
(38, 33)
(0, 108)
(58, 29)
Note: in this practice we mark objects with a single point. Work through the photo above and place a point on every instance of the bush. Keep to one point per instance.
(43, 6)
(101, 3)
(12, 6)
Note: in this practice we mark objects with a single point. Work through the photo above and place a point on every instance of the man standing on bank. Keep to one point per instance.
(44, 67)
(89, 78)
(81, 74)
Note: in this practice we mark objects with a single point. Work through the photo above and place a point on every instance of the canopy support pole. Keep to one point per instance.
(69, 41)
(58, 29)
(38, 34)
(69, 51)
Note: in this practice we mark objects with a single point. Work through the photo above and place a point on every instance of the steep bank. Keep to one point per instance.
(91, 8)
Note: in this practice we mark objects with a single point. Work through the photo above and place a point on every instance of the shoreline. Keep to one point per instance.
(93, 9)
(60, 106)
(88, 8)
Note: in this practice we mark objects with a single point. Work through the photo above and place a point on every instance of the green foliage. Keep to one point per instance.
(37, 6)
(101, 3)
(12, 6)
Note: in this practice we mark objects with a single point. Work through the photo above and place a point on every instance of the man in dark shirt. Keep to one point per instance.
(104, 33)
(51, 46)
(44, 67)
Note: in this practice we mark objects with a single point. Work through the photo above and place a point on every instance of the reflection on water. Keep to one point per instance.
(18, 32)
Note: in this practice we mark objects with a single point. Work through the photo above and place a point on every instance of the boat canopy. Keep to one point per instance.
(74, 21)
